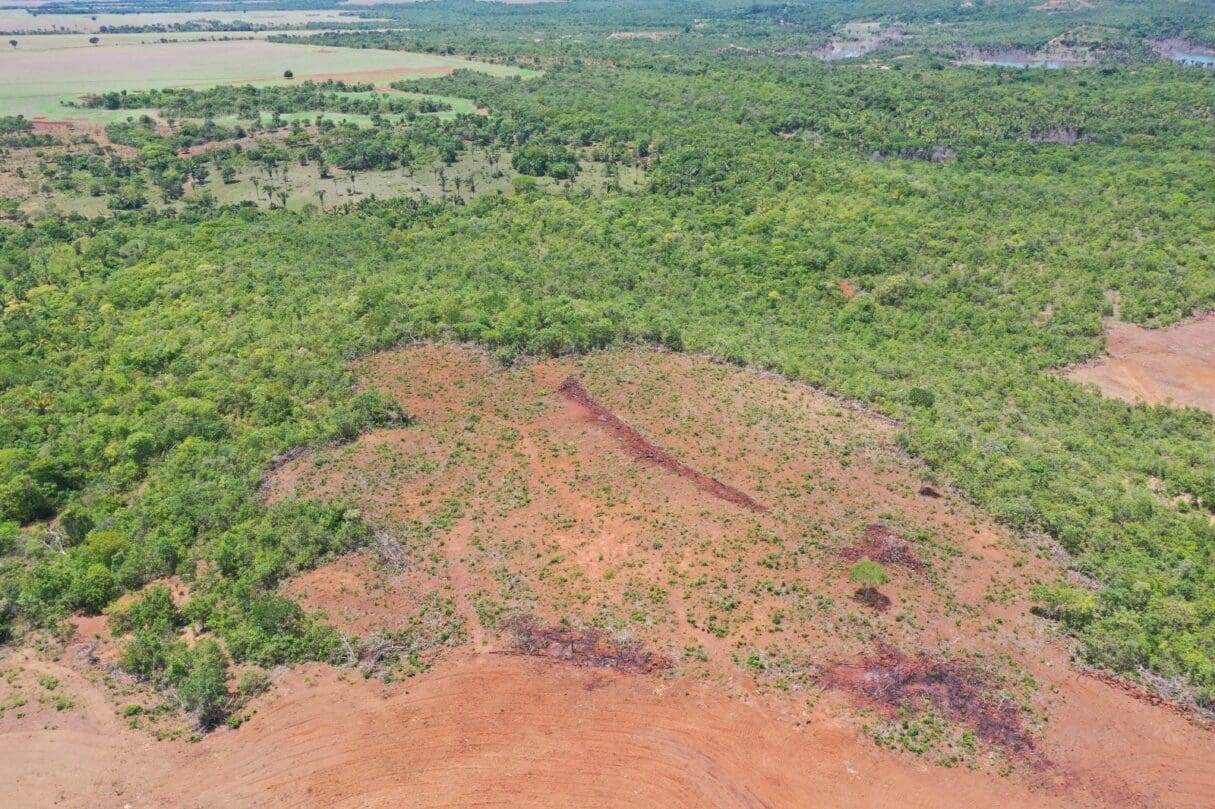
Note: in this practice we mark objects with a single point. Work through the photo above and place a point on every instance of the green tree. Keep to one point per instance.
(201, 678)
(869, 575)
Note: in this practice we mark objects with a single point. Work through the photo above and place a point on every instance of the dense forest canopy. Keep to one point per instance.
(153, 363)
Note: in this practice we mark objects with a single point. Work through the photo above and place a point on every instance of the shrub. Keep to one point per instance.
(200, 676)
(868, 574)
(153, 610)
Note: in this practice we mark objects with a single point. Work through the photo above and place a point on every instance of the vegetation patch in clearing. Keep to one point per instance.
(898, 684)
(587, 647)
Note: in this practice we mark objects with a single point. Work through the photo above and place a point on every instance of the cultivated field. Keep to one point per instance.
(32, 83)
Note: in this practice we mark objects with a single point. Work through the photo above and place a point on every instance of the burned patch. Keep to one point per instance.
(586, 647)
(893, 681)
(870, 597)
(642, 448)
(883, 544)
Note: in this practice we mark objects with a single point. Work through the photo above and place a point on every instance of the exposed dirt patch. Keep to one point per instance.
(644, 449)
(898, 683)
(1064, 5)
(586, 647)
(883, 544)
(653, 36)
(847, 289)
(1172, 365)
(872, 598)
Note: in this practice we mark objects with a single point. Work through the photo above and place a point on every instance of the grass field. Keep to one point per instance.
(33, 83)
(60, 42)
(21, 20)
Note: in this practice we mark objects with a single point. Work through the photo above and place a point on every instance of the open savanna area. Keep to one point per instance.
(33, 83)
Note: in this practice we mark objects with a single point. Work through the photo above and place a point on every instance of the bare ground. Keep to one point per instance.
(1172, 365)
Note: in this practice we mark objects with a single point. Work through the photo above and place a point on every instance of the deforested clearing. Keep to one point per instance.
(627, 636)
(545, 519)
(1174, 365)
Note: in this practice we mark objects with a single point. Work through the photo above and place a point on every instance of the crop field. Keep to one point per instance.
(59, 42)
(33, 83)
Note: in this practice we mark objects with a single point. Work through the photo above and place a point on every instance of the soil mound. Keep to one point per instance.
(883, 544)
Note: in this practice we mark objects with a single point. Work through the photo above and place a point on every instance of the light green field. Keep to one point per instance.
(21, 20)
(61, 42)
(33, 83)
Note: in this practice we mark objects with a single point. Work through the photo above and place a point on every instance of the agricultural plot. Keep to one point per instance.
(33, 83)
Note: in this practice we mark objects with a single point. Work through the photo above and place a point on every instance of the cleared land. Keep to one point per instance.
(1174, 365)
(682, 649)
(33, 83)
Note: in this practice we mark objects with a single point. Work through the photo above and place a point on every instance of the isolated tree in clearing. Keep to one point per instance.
(870, 576)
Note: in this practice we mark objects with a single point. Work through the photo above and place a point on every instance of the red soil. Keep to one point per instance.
(847, 289)
(1174, 365)
(642, 448)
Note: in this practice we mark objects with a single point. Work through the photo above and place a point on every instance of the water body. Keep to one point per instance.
(1195, 59)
